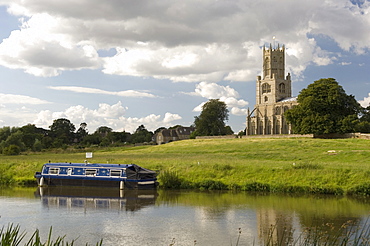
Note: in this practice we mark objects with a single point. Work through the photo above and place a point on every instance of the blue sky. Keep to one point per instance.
(125, 63)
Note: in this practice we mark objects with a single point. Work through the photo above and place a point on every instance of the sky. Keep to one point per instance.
(124, 63)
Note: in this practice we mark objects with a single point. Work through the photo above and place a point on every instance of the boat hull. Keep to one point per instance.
(127, 184)
(97, 175)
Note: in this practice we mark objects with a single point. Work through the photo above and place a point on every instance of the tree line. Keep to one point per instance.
(323, 108)
(62, 134)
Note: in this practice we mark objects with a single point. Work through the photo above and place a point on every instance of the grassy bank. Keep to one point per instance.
(286, 165)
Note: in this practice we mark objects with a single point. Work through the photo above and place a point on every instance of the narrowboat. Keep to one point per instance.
(121, 176)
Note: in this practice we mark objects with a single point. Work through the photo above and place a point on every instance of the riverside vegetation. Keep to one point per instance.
(287, 165)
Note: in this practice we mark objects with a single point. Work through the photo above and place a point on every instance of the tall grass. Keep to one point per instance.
(349, 234)
(12, 236)
(288, 165)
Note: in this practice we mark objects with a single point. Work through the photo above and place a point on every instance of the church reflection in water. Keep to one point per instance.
(275, 227)
(96, 198)
(278, 227)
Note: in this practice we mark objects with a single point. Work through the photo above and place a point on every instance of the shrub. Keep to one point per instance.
(12, 150)
(169, 179)
(362, 190)
(256, 186)
(327, 190)
(211, 185)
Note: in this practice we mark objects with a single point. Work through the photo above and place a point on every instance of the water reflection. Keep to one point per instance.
(285, 220)
(210, 218)
(96, 198)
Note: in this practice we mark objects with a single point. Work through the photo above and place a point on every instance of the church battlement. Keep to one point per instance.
(278, 49)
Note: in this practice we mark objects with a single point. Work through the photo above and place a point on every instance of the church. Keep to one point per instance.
(273, 96)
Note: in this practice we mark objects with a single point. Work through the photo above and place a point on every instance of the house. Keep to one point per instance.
(169, 135)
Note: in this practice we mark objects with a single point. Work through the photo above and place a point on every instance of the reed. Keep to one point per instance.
(349, 234)
(12, 236)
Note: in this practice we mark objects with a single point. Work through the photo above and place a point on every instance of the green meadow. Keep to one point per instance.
(287, 165)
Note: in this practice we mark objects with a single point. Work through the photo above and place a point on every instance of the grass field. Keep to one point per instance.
(289, 165)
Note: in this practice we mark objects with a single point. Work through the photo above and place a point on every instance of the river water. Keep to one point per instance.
(180, 217)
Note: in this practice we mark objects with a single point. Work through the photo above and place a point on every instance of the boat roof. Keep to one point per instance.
(93, 165)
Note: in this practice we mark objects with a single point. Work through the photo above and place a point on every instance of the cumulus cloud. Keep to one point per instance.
(365, 102)
(224, 93)
(112, 116)
(190, 41)
(41, 49)
(78, 89)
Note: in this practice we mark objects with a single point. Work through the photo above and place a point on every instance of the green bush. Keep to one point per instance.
(362, 190)
(12, 150)
(211, 185)
(258, 187)
(327, 190)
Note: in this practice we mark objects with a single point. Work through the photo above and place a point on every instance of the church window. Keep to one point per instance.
(277, 127)
(277, 110)
(266, 99)
(282, 88)
(266, 88)
(268, 128)
(260, 128)
(286, 108)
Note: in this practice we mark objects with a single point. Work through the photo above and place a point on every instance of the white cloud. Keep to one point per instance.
(191, 41)
(345, 63)
(365, 102)
(168, 117)
(40, 48)
(239, 111)
(199, 107)
(20, 99)
(112, 116)
(223, 93)
(78, 89)
(214, 91)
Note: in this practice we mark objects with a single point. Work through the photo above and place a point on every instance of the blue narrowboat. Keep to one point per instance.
(122, 176)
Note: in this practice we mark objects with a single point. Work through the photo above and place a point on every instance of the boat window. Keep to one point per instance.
(53, 170)
(91, 172)
(115, 173)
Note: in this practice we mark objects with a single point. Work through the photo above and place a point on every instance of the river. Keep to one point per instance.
(133, 218)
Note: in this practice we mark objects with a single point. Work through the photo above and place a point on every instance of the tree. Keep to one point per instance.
(31, 133)
(141, 135)
(81, 132)
(210, 122)
(62, 130)
(364, 124)
(324, 108)
(15, 139)
(103, 131)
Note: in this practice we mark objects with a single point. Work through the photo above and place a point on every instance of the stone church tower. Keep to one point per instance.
(273, 96)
